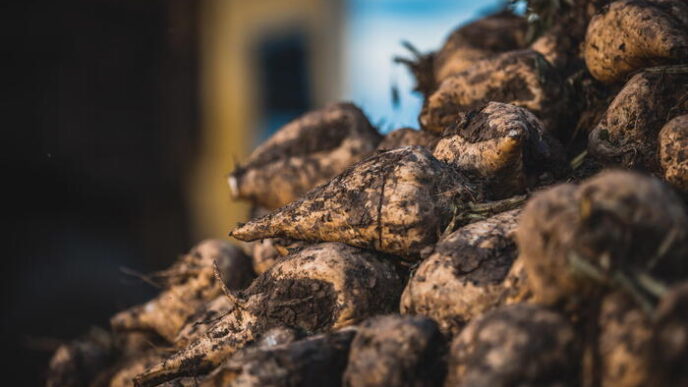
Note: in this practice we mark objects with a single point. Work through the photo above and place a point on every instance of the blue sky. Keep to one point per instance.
(374, 32)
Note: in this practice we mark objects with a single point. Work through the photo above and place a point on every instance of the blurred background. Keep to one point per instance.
(124, 116)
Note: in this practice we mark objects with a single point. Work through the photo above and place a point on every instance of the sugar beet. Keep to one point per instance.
(613, 226)
(463, 277)
(130, 368)
(627, 135)
(517, 345)
(522, 78)
(673, 159)
(304, 154)
(396, 202)
(79, 362)
(315, 361)
(323, 287)
(396, 351)
(633, 34)
(466, 45)
(503, 145)
(669, 342)
(623, 342)
(205, 318)
(491, 35)
(188, 285)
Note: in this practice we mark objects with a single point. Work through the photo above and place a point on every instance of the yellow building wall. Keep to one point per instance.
(229, 29)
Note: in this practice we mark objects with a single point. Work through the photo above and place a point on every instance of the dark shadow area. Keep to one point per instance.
(103, 127)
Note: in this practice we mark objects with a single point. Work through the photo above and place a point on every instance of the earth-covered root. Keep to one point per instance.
(467, 44)
(223, 376)
(463, 277)
(559, 30)
(491, 35)
(305, 153)
(669, 343)
(407, 136)
(128, 370)
(504, 145)
(396, 351)
(517, 345)
(323, 287)
(205, 318)
(557, 47)
(188, 285)
(628, 133)
(234, 267)
(640, 349)
(522, 78)
(315, 361)
(396, 202)
(79, 362)
(633, 34)
(623, 341)
(102, 358)
(224, 338)
(613, 230)
(265, 253)
(545, 235)
(673, 152)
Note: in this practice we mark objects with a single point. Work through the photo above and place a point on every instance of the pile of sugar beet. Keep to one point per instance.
(533, 232)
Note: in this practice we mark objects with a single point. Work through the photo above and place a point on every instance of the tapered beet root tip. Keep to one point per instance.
(251, 231)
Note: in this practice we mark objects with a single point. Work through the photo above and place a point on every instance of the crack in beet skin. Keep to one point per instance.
(379, 206)
(379, 211)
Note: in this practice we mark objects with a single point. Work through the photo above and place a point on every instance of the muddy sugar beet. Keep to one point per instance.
(189, 285)
(396, 202)
(669, 341)
(396, 351)
(673, 159)
(478, 40)
(466, 45)
(523, 78)
(635, 348)
(517, 345)
(575, 240)
(629, 131)
(203, 320)
(631, 35)
(623, 342)
(504, 146)
(315, 361)
(79, 362)
(265, 253)
(468, 273)
(304, 154)
(323, 287)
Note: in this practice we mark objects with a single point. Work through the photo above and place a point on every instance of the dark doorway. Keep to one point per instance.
(283, 81)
